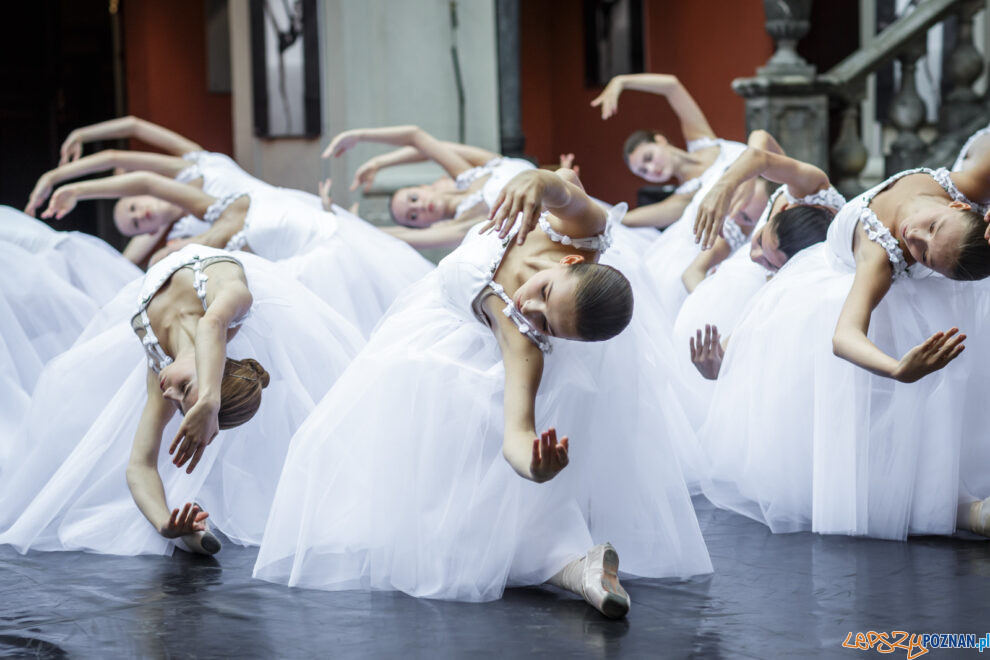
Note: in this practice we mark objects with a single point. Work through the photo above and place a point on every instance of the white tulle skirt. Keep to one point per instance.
(85, 262)
(359, 270)
(800, 439)
(64, 487)
(718, 300)
(397, 480)
(666, 259)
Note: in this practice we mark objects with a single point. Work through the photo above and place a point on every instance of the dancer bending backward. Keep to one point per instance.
(650, 156)
(456, 509)
(870, 443)
(797, 216)
(440, 214)
(63, 487)
(352, 276)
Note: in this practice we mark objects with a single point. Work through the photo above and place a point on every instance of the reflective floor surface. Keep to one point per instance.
(792, 595)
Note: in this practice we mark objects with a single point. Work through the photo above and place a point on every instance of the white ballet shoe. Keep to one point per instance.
(595, 577)
(977, 518)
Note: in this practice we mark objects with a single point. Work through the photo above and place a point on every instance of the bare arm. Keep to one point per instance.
(692, 119)
(446, 233)
(200, 424)
(572, 212)
(189, 198)
(143, 479)
(698, 269)
(402, 136)
(662, 214)
(974, 181)
(140, 248)
(850, 341)
(108, 159)
(801, 178)
(533, 457)
(364, 177)
(127, 127)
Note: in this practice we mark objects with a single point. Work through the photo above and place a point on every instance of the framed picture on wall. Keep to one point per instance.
(285, 68)
(613, 39)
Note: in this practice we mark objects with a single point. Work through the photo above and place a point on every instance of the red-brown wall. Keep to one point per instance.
(705, 44)
(165, 59)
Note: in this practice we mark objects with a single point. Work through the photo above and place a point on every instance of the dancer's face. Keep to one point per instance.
(764, 248)
(418, 206)
(652, 160)
(143, 214)
(178, 383)
(933, 238)
(549, 300)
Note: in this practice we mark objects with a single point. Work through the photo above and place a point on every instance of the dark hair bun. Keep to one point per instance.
(258, 370)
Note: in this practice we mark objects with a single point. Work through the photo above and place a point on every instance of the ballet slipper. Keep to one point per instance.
(595, 578)
(976, 517)
(204, 543)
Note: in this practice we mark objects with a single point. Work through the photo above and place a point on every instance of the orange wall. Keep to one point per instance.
(705, 44)
(165, 58)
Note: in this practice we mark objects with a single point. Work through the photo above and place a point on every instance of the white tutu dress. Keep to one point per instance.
(85, 262)
(499, 171)
(64, 487)
(800, 439)
(397, 480)
(674, 250)
(720, 300)
(353, 266)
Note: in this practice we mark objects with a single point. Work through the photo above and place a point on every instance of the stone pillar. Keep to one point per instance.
(784, 97)
(907, 113)
(513, 142)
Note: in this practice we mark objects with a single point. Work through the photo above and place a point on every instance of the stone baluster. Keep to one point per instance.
(963, 67)
(907, 113)
(849, 154)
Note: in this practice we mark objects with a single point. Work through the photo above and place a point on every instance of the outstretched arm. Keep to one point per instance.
(401, 136)
(442, 234)
(974, 181)
(200, 424)
(573, 213)
(126, 127)
(850, 341)
(537, 457)
(364, 177)
(698, 269)
(721, 201)
(108, 159)
(659, 215)
(143, 479)
(692, 119)
(189, 198)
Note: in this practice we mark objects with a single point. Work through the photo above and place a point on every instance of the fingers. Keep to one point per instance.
(530, 218)
(198, 454)
(695, 351)
(330, 149)
(178, 437)
(173, 519)
(493, 212)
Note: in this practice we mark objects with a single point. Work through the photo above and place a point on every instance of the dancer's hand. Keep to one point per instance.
(72, 147)
(523, 194)
(42, 189)
(325, 199)
(342, 143)
(365, 175)
(187, 521)
(198, 428)
(707, 352)
(609, 98)
(711, 214)
(567, 161)
(931, 355)
(63, 200)
(549, 456)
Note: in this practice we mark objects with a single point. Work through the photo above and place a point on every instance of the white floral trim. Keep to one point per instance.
(943, 177)
(702, 143)
(733, 234)
(599, 243)
(829, 197)
(521, 322)
(879, 234)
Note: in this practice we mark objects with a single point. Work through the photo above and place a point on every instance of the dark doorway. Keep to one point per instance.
(57, 74)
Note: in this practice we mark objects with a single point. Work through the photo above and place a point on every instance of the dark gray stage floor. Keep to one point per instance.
(792, 595)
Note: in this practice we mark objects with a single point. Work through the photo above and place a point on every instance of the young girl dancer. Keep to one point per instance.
(436, 215)
(64, 487)
(442, 485)
(870, 443)
(649, 155)
(333, 256)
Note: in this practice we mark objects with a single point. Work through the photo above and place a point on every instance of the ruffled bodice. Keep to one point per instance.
(857, 211)
(499, 171)
(468, 272)
(196, 257)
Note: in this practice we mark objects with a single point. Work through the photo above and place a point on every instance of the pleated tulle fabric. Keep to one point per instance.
(397, 480)
(63, 486)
